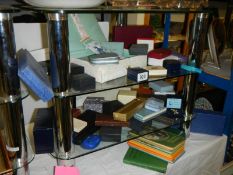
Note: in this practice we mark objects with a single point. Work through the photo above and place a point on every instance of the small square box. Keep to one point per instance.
(76, 69)
(43, 131)
(82, 82)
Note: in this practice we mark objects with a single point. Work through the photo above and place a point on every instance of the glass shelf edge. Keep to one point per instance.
(105, 145)
(114, 84)
(23, 95)
(112, 9)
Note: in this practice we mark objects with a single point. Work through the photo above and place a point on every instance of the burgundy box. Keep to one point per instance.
(130, 34)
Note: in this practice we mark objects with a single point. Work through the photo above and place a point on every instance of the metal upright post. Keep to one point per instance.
(121, 19)
(197, 42)
(13, 130)
(59, 64)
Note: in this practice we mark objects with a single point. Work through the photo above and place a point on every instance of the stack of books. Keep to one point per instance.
(167, 144)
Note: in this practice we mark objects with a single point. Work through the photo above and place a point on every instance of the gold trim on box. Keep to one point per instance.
(127, 111)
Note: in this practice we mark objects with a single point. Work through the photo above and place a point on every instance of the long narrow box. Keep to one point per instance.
(33, 74)
(127, 112)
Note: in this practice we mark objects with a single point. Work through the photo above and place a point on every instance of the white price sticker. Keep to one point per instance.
(142, 76)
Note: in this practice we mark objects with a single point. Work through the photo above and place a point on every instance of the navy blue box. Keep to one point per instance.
(43, 130)
(172, 66)
(208, 122)
(137, 74)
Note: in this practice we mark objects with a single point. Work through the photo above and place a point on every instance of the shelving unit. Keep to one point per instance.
(65, 150)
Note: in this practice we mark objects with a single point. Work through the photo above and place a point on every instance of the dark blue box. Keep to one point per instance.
(208, 122)
(43, 130)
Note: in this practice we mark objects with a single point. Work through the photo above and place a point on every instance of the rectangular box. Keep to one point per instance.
(208, 122)
(108, 120)
(43, 130)
(161, 86)
(127, 112)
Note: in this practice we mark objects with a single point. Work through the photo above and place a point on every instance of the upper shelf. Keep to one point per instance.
(122, 82)
(111, 9)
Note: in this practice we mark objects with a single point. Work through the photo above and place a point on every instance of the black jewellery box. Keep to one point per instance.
(82, 82)
(43, 130)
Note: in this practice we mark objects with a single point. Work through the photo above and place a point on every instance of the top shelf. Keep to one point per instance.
(113, 9)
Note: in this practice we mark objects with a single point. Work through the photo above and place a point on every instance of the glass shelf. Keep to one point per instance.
(22, 96)
(125, 136)
(121, 82)
(113, 9)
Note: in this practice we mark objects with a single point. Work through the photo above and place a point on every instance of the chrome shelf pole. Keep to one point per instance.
(59, 64)
(13, 129)
(197, 43)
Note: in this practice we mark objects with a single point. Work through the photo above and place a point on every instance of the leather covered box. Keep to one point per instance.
(43, 130)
